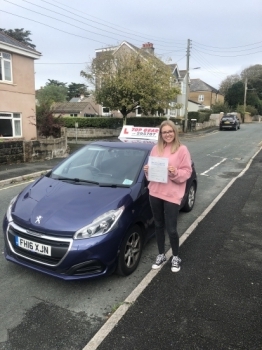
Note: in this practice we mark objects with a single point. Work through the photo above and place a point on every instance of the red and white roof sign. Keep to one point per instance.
(139, 132)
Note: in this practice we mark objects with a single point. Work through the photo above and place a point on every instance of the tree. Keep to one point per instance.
(127, 81)
(20, 35)
(220, 107)
(252, 72)
(47, 124)
(235, 95)
(55, 82)
(76, 90)
(51, 93)
(228, 82)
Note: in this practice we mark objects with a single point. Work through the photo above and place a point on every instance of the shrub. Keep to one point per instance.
(46, 123)
(114, 123)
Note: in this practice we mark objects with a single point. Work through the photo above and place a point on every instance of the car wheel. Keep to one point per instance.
(236, 128)
(190, 199)
(130, 251)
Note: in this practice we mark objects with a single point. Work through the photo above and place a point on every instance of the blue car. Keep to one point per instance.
(89, 216)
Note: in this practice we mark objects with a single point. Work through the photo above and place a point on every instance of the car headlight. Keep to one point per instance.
(101, 225)
(9, 209)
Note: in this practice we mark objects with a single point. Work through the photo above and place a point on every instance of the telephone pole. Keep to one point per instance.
(245, 98)
(187, 83)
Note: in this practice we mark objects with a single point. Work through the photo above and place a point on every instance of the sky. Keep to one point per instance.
(225, 36)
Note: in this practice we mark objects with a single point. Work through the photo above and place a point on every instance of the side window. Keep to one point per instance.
(200, 98)
(5, 67)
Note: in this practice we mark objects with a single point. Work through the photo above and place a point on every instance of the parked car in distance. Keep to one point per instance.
(229, 121)
(89, 216)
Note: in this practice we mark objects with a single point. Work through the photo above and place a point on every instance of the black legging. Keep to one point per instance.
(165, 216)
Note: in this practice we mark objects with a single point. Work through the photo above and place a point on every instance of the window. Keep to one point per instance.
(200, 98)
(106, 111)
(5, 67)
(10, 125)
(73, 115)
(138, 112)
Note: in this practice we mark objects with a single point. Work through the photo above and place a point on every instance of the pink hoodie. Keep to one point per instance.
(174, 190)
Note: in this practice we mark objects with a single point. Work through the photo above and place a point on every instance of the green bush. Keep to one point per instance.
(114, 123)
(94, 122)
(149, 121)
(201, 116)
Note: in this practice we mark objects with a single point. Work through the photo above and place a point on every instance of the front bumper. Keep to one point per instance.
(70, 259)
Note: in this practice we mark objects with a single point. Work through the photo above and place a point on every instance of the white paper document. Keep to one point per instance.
(158, 169)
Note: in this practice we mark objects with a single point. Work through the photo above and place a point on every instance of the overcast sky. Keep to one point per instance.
(226, 34)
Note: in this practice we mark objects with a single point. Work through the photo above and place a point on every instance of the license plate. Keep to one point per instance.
(33, 246)
(227, 122)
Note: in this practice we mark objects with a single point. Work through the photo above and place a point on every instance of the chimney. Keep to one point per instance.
(148, 47)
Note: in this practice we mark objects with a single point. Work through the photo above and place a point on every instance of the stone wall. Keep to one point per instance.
(91, 133)
(11, 152)
(45, 149)
(209, 124)
(29, 151)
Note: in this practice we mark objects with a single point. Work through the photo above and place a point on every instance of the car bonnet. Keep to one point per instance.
(54, 206)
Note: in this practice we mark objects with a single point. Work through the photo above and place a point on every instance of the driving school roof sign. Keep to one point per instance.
(138, 132)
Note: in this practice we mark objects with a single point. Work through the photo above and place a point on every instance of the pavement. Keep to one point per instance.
(215, 301)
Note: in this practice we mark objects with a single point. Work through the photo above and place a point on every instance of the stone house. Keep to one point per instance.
(203, 93)
(17, 89)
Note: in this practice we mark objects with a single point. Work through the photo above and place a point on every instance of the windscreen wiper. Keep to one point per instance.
(76, 180)
(112, 185)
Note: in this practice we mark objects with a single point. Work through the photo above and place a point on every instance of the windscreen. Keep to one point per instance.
(103, 165)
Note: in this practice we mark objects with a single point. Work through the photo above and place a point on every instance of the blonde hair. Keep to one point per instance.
(161, 143)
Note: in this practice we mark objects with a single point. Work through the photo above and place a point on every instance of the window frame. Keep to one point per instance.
(201, 98)
(138, 111)
(4, 69)
(13, 116)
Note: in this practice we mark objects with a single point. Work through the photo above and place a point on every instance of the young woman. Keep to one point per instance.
(165, 198)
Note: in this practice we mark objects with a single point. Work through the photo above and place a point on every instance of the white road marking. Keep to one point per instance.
(205, 172)
(17, 184)
(120, 312)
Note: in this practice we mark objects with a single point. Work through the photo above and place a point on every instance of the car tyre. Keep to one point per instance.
(130, 251)
(190, 199)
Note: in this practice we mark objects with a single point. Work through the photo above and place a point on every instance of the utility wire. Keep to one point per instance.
(247, 54)
(113, 26)
(56, 19)
(60, 30)
(227, 48)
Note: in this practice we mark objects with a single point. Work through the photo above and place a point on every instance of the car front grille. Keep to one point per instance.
(59, 246)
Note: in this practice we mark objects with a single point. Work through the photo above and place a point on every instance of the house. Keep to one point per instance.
(74, 109)
(177, 107)
(17, 89)
(203, 93)
(147, 50)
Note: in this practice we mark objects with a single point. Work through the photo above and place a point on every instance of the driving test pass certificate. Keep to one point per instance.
(158, 169)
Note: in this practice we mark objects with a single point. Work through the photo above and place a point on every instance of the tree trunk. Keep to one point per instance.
(124, 114)
(124, 119)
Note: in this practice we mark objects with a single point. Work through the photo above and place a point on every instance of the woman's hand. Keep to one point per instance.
(172, 169)
(146, 168)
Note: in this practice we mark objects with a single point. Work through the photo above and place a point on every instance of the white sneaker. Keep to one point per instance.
(175, 264)
(160, 259)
